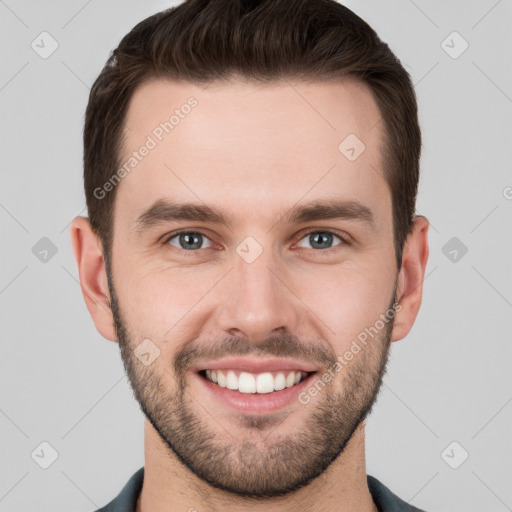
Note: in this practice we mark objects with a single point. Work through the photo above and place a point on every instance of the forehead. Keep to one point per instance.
(260, 145)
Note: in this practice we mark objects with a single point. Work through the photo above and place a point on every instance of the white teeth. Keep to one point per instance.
(265, 383)
(248, 383)
(221, 379)
(279, 382)
(231, 380)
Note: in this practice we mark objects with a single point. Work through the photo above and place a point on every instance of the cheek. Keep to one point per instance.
(169, 303)
(347, 300)
(160, 301)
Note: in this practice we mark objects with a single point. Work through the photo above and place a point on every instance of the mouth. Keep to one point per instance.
(254, 392)
(255, 383)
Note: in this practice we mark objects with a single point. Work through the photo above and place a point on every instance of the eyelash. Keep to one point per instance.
(167, 239)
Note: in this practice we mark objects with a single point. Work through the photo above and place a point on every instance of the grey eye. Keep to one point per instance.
(320, 239)
(188, 240)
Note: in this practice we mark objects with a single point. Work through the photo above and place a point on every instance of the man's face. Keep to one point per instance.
(268, 293)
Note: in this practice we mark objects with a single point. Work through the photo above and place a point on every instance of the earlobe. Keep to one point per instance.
(93, 278)
(410, 278)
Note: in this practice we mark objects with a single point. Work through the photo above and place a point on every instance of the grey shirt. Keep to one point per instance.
(126, 500)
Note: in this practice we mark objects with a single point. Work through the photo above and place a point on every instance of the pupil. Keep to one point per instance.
(191, 241)
(317, 236)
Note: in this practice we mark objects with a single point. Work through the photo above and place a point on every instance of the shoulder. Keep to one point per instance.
(126, 500)
(387, 501)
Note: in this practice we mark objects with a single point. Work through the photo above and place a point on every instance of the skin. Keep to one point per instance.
(253, 151)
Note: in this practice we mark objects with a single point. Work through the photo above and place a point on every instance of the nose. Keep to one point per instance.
(257, 300)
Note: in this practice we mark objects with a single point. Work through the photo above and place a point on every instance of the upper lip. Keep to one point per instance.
(257, 365)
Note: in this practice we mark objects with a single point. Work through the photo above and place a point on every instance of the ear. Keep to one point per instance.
(410, 278)
(93, 277)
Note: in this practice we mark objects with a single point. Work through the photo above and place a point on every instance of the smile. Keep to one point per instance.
(248, 383)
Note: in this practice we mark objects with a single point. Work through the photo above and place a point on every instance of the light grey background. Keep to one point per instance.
(449, 380)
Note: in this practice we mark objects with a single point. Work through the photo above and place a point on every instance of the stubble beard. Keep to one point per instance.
(262, 463)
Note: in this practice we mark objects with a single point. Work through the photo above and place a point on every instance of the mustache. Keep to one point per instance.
(283, 345)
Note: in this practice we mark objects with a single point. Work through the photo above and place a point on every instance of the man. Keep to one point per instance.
(251, 172)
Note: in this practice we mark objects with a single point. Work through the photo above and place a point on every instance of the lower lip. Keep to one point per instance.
(256, 402)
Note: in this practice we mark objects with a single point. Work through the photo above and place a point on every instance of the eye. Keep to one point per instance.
(192, 241)
(188, 240)
(321, 240)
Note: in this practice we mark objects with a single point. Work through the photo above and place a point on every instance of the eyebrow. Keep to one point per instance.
(163, 211)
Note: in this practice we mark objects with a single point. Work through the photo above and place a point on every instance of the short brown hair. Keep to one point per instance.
(263, 41)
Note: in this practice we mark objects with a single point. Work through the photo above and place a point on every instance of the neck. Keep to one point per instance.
(170, 486)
